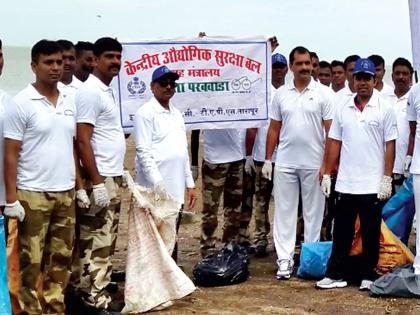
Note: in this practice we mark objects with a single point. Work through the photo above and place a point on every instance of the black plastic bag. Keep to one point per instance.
(226, 267)
(401, 282)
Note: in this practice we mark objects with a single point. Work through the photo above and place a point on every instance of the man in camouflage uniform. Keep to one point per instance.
(40, 181)
(221, 173)
(101, 146)
(253, 181)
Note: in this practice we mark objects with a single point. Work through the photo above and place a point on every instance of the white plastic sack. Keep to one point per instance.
(152, 276)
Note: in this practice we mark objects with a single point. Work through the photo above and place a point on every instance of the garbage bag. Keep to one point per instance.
(392, 252)
(398, 212)
(153, 278)
(5, 308)
(314, 259)
(401, 282)
(227, 266)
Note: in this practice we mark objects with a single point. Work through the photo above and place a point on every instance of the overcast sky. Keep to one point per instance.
(332, 28)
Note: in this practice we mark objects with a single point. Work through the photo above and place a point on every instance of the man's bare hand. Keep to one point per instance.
(191, 198)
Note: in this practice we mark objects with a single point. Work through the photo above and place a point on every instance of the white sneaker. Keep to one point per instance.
(328, 283)
(285, 269)
(365, 285)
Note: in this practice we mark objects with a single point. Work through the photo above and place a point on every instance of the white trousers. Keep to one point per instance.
(287, 184)
(416, 186)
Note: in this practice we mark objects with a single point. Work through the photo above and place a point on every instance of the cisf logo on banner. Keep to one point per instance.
(136, 88)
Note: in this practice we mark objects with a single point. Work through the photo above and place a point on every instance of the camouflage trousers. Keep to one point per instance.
(96, 243)
(260, 187)
(46, 242)
(220, 178)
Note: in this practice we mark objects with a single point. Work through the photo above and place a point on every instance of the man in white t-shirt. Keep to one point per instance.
(40, 179)
(402, 76)
(84, 60)
(162, 160)
(362, 137)
(301, 116)
(255, 157)
(101, 147)
(4, 101)
(413, 116)
(68, 81)
(348, 91)
(381, 85)
(222, 172)
(338, 71)
(325, 73)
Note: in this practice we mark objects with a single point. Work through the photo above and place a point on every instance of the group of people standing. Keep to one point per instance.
(64, 151)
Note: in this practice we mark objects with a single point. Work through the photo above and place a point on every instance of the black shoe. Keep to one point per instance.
(73, 301)
(115, 306)
(260, 251)
(112, 287)
(117, 276)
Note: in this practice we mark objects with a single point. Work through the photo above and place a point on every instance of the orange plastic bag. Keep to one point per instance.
(392, 252)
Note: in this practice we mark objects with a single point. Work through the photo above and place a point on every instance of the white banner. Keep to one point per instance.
(224, 82)
(414, 6)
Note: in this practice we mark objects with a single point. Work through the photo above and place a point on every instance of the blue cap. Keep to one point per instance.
(278, 58)
(364, 65)
(164, 71)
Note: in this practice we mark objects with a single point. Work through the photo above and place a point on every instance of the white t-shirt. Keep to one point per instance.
(45, 161)
(302, 136)
(343, 96)
(71, 88)
(400, 108)
(258, 151)
(96, 105)
(386, 89)
(162, 148)
(4, 102)
(363, 136)
(223, 145)
(413, 114)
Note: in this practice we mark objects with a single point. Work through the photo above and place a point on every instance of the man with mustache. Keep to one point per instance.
(84, 60)
(162, 160)
(101, 146)
(40, 180)
(301, 116)
(402, 76)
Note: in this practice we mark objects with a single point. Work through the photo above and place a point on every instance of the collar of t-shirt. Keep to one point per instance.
(160, 109)
(35, 95)
(97, 82)
(311, 86)
(373, 101)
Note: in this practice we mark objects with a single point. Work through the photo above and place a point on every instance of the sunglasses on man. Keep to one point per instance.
(164, 83)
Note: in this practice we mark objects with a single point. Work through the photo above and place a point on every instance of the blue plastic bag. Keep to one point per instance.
(398, 212)
(314, 259)
(5, 308)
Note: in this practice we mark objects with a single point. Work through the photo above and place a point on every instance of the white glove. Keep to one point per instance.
(160, 190)
(249, 165)
(267, 170)
(326, 185)
(385, 190)
(407, 164)
(124, 183)
(100, 195)
(194, 171)
(82, 198)
(14, 210)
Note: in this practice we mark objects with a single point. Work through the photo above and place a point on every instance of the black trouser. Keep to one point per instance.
(369, 209)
